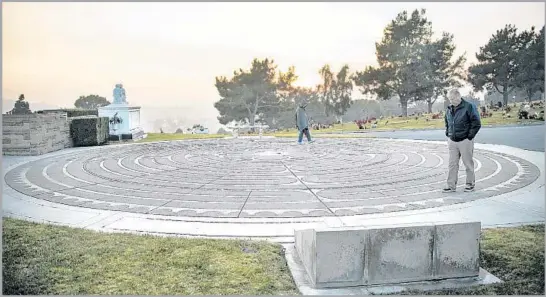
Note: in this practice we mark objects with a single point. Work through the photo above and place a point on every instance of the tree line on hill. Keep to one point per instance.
(413, 68)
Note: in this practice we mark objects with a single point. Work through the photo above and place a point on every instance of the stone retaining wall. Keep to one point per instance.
(362, 256)
(35, 134)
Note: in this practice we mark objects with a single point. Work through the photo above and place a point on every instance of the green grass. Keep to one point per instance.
(409, 124)
(41, 259)
(516, 256)
(152, 137)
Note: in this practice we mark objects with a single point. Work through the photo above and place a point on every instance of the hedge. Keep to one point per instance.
(73, 112)
(89, 130)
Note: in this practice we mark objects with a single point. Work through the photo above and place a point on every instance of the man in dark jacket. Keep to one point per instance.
(462, 124)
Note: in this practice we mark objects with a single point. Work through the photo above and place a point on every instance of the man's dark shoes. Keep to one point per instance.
(448, 190)
(469, 188)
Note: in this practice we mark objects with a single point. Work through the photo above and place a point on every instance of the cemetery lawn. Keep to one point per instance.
(422, 123)
(516, 256)
(152, 137)
(42, 259)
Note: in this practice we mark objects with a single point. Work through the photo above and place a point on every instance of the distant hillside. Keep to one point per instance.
(170, 118)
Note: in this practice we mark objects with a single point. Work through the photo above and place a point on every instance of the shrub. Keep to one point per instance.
(89, 130)
(223, 131)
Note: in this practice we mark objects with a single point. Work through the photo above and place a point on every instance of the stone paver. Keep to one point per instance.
(248, 183)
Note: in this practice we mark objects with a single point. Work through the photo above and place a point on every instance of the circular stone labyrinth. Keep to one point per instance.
(242, 178)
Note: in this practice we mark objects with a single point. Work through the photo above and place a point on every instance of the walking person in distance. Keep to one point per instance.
(302, 123)
(462, 122)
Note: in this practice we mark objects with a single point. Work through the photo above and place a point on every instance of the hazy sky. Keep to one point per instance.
(168, 54)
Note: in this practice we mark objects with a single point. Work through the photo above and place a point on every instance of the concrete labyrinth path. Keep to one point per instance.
(274, 178)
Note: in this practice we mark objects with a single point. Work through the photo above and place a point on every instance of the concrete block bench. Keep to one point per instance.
(376, 255)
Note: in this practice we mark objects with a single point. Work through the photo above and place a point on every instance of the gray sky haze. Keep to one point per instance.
(168, 54)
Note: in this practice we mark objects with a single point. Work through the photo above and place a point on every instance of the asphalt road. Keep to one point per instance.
(524, 137)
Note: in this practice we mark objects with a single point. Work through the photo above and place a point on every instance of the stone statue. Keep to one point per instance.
(21, 106)
(119, 95)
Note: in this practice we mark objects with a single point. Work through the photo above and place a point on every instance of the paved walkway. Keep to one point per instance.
(250, 188)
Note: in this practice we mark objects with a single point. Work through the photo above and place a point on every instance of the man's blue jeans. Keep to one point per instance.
(307, 135)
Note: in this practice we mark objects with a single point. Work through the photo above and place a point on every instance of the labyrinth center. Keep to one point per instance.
(242, 178)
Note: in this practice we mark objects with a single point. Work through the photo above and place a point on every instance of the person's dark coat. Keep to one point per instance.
(301, 118)
(462, 121)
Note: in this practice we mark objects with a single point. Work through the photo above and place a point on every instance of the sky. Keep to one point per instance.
(168, 54)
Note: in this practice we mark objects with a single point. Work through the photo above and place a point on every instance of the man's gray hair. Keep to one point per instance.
(453, 94)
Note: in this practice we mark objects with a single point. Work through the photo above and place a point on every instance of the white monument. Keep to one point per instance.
(124, 119)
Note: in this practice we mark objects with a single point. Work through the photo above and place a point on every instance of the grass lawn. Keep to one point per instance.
(411, 124)
(422, 123)
(177, 136)
(516, 256)
(42, 259)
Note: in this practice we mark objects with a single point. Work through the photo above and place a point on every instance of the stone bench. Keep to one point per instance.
(392, 254)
